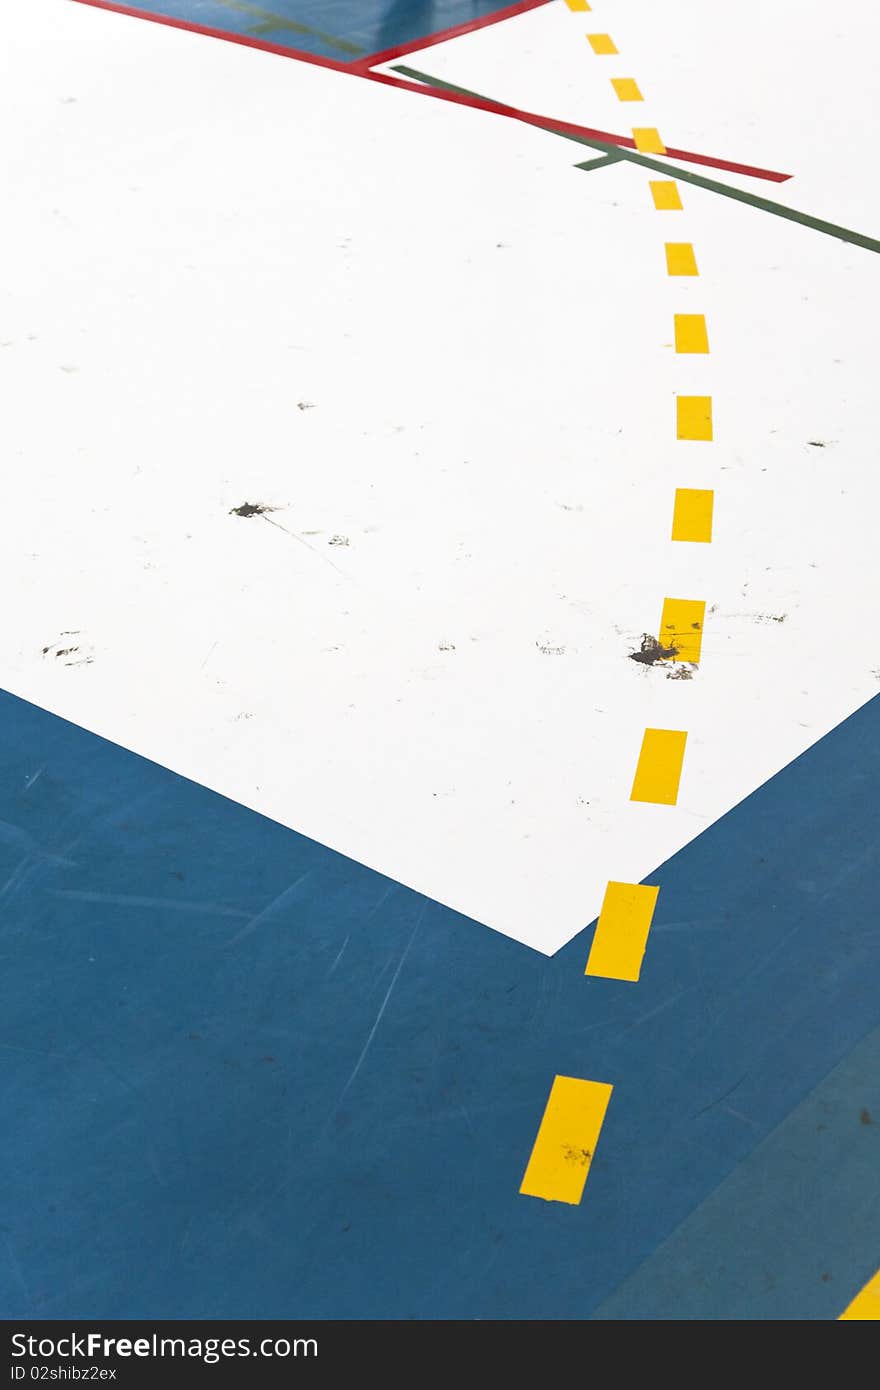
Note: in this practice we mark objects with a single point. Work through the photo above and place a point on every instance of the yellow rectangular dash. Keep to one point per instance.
(665, 194)
(865, 1307)
(577, 5)
(622, 931)
(627, 89)
(658, 772)
(680, 258)
(647, 139)
(601, 43)
(690, 333)
(681, 627)
(566, 1142)
(693, 417)
(692, 514)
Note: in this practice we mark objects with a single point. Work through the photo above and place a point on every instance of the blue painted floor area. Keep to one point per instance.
(243, 1076)
(340, 29)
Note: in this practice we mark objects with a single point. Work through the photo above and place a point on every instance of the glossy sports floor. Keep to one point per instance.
(439, 740)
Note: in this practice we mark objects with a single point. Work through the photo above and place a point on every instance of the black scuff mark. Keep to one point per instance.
(651, 650)
(249, 509)
(252, 509)
(577, 1156)
(71, 655)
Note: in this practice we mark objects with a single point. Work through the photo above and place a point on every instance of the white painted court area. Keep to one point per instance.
(445, 358)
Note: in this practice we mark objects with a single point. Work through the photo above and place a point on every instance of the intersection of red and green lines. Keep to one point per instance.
(610, 148)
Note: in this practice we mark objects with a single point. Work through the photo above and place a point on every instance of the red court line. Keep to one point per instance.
(496, 108)
(466, 28)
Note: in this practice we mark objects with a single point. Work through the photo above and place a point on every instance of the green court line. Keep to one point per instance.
(266, 22)
(816, 224)
(601, 162)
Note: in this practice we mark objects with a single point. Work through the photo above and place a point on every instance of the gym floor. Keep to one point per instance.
(438, 729)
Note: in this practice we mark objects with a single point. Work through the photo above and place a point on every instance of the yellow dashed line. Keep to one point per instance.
(680, 258)
(627, 89)
(659, 767)
(681, 627)
(566, 1142)
(622, 931)
(575, 1111)
(647, 139)
(692, 514)
(690, 333)
(693, 417)
(666, 195)
(601, 44)
(865, 1307)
